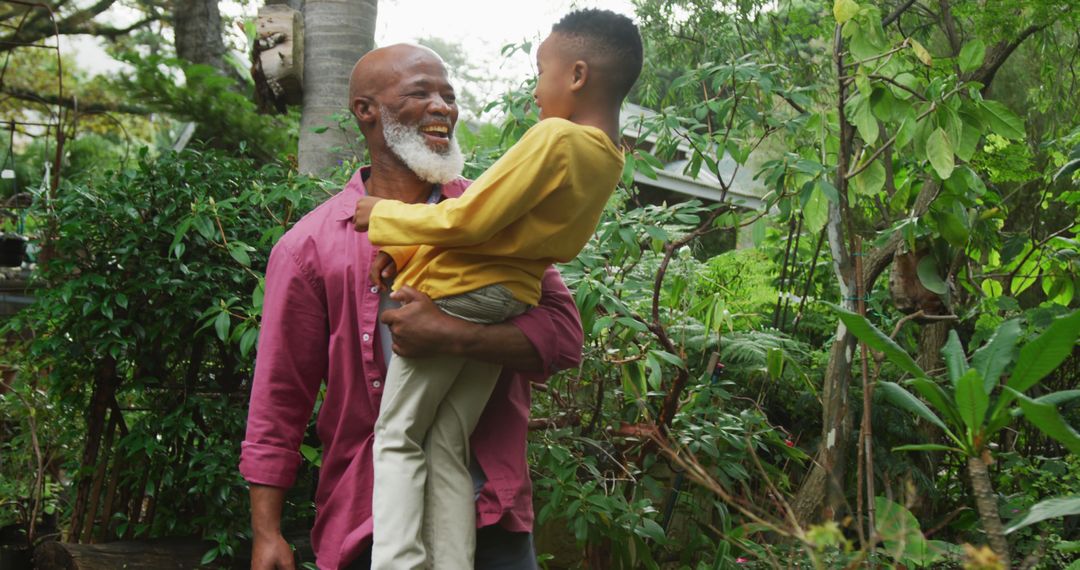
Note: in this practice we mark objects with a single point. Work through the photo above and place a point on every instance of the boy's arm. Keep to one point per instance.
(547, 338)
(401, 254)
(527, 174)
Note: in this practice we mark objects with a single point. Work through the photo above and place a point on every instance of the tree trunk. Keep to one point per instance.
(336, 34)
(932, 338)
(197, 27)
(986, 502)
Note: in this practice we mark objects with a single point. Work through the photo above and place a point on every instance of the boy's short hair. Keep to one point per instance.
(611, 38)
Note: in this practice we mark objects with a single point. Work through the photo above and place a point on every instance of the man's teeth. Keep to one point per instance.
(436, 129)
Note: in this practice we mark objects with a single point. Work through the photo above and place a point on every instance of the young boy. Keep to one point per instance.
(481, 257)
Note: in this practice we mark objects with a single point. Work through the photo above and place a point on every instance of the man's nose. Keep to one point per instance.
(440, 106)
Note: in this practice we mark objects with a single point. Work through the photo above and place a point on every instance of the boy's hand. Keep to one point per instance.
(383, 270)
(363, 212)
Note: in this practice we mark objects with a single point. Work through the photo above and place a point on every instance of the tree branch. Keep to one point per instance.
(999, 53)
(895, 15)
(73, 103)
(39, 26)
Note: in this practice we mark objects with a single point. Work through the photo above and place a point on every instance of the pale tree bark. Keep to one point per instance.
(197, 26)
(336, 34)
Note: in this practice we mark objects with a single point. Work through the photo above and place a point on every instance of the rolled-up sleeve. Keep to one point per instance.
(290, 364)
(553, 327)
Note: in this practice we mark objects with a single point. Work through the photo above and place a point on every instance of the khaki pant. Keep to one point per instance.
(422, 503)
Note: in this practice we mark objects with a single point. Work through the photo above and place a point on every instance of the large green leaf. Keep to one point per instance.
(927, 271)
(940, 153)
(844, 10)
(875, 339)
(871, 180)
(1049, 509)
(971, 400)
(1059, 398)
(997, 353)
(816, 210)
(1046, 417)
(941, 401)
(1003, 121)
(862, 116)
(1042, 355)
(955, 359)
(903, 399)
(971, 55)
(926, 447)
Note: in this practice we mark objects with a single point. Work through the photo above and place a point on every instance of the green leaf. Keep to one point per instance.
(210, 556)
(844, 10)
(248, 340)
(997, 353)
(1049, 421)
(1049, 509)
(905, 400)
(1042, 355)
(971, 55)
(651, 529)
(971, 400)
(1003, 121)
(221, 325)
(920, 52)
(955, 360)
(656, 373)
(928, 275)
(939, 151)
(239, 252)
(1058, 398)
(937, 397)
(926, 447)
(312, 454)
(816, 210)
(864, 120)
(875, 339)
(871, 180)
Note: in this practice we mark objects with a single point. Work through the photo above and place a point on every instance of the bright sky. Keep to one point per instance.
(481, 27)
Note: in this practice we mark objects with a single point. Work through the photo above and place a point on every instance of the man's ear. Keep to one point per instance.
(364, 109)
(579, 75)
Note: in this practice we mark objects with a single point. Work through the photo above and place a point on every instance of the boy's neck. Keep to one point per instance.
(605, 118)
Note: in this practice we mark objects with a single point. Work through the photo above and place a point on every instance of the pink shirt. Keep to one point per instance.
(319, 323)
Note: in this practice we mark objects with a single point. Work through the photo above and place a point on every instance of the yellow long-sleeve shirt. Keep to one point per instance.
(537, 205)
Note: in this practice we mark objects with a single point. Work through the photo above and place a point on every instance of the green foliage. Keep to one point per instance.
(226, 118)
(153, 291)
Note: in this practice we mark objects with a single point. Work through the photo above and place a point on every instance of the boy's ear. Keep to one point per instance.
(364, 109)
(579, 75)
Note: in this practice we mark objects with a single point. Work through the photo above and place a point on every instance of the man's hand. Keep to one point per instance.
(271, 553)
(420, 328)
(269, 550)
(383, 270)
(363, 212)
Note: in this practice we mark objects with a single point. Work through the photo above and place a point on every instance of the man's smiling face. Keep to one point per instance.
(423, 99)
(418, 116)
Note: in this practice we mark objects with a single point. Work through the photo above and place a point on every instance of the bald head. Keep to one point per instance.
(384, 67)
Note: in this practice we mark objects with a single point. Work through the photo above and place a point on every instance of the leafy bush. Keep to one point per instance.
(144, 325)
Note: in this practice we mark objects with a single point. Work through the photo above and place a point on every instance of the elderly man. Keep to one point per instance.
(324, 321)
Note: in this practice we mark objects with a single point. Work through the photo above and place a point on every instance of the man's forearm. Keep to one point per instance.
(266, 505)
(501, 343)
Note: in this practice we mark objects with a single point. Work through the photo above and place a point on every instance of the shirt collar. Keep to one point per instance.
(355, 189)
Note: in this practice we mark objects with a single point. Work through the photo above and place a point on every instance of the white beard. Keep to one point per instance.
(408, 144)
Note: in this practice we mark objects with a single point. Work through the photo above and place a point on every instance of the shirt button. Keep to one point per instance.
(376, 384)
(374, 289)
(366, 337)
